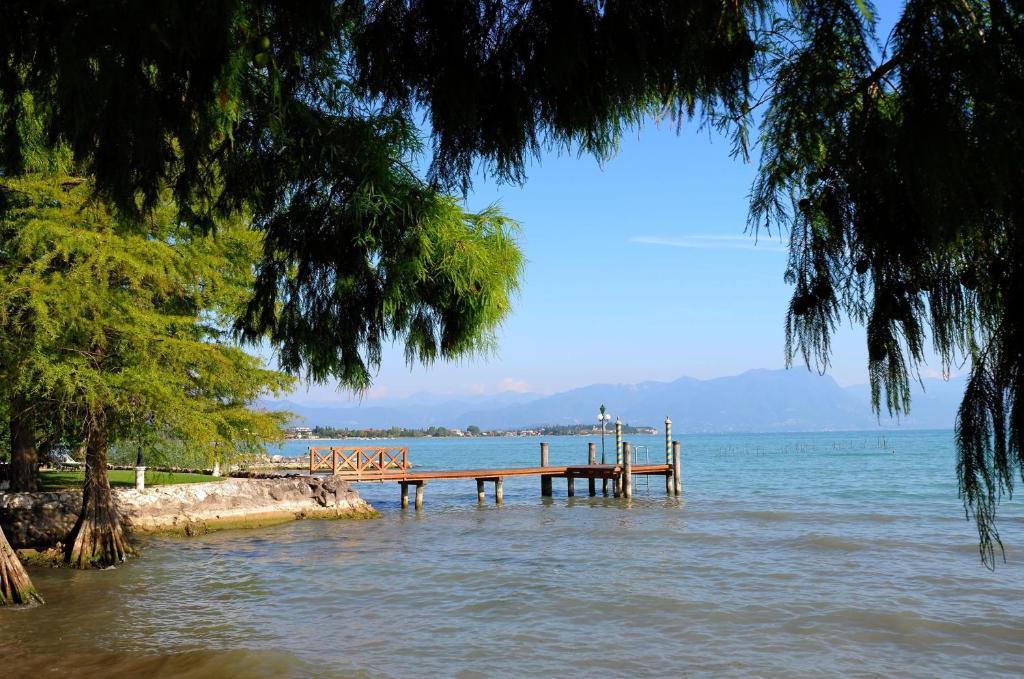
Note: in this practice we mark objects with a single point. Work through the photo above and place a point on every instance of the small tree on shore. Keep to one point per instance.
(127, 336)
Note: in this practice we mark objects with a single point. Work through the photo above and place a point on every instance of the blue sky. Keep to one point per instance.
(638, 270)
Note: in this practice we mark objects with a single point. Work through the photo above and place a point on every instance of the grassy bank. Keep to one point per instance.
(125, 478)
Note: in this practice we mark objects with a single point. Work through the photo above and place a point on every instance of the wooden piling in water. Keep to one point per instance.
(405, 495)
(499, 492)
(677, 478)
(480, 497)
(627, 470)
(570, 486)
(592, 459)
(545, 481)
(419, 495)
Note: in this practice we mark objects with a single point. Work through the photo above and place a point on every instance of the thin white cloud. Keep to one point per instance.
(377, 392)
(711, 243)
(512, 384)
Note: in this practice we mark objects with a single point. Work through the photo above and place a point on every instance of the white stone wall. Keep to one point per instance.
(40, 520)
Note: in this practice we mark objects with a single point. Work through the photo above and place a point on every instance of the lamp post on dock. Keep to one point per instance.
(602, 417)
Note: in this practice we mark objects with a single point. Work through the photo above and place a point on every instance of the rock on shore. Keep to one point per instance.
(40, 520)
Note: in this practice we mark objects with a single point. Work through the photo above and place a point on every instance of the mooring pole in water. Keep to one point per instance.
(405, 494)
(499, 492)
(617, 481)
(570, 486)
(592, 459)
(480, 491)
(668, 454)
(627, 471)
(677, 478)
(419, 494)
(618, 441)
(545, 481)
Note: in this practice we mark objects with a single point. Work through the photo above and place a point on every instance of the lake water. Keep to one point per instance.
(790, 554)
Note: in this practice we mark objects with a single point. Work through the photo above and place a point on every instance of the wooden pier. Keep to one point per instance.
(380, 464)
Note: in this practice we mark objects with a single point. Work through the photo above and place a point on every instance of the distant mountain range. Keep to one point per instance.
(755, 401)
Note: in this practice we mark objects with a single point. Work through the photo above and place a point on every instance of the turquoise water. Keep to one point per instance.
(795, 554)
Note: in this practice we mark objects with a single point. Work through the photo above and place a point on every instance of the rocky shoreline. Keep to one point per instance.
(41, 520)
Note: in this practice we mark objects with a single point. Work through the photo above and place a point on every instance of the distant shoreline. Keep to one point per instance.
(502, 436)
(880, 431)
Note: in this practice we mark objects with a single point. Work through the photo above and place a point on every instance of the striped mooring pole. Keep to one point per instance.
(668, 441)
(668, 455)
(618, 442)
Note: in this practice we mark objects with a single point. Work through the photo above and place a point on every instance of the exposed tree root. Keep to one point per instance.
(97, 540)
(15, 586)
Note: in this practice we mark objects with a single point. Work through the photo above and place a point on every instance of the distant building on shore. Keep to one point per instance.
(299, 433)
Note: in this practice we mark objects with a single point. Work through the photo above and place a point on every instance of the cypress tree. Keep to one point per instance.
(128, 334)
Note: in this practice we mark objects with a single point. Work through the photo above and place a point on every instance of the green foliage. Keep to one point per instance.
(901, 182)
(249, 107)
(99, 314)
(502, 80)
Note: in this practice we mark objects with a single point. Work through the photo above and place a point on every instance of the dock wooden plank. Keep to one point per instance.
(576, 471)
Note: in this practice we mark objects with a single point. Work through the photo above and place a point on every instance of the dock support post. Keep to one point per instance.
(405, 495)
(570, 488)
(311, 454)
(419, 496)
(480, 490)
(627, 470)
(545, 481)
(677, 477)
(499, 491)
(592, 459)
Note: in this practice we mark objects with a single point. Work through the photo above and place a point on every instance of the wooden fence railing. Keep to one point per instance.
(357, 460)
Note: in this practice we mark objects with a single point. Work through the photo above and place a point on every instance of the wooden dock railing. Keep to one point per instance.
(358, 460)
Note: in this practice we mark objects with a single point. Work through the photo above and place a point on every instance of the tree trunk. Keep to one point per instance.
(15, 587)
(97, 540)
(24, 461)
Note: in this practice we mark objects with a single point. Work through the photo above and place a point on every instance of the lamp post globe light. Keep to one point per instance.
(602, 417)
